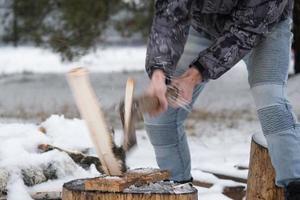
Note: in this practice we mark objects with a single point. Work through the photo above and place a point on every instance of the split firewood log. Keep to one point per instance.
(85, 161)
(81, 159)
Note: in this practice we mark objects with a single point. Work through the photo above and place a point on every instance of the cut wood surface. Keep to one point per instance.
(132, 177)
(90, 111)
(261, 177)
(129, 126)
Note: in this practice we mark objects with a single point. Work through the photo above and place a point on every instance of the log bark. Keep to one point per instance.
(261, 176)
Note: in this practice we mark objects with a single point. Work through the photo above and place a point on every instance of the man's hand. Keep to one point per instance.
(185, 84)
(157, 88)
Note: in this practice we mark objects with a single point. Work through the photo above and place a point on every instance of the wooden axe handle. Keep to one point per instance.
(148, 103)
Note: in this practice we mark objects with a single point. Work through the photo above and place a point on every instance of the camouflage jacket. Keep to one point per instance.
(236, 26)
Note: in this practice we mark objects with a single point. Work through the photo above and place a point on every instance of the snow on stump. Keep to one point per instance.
(261, 176)
(138, 184)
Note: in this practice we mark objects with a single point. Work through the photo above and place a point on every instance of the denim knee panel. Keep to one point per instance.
(281, 129)
(274, 110)
(275, 119)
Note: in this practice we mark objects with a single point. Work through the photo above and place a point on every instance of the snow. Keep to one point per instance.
(16, 189)
(60, 134)
(19, 151)
(213, 193)
(104, 59)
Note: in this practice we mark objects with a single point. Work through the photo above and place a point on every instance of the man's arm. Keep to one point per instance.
(168, 35)
(248, 25)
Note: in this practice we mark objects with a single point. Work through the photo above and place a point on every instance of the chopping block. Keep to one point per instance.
(142, 184)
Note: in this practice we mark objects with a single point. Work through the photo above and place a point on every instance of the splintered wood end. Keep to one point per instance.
(78, 71)
(130, 82)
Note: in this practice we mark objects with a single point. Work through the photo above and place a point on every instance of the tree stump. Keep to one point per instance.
(261, 176)
(134, 185)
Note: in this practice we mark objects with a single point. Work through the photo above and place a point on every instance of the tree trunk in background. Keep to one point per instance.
(296, 31)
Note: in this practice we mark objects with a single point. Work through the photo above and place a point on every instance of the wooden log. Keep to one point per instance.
(90, 111)
(261, 176)
(75, 190)
(235, 192)
(83, 160)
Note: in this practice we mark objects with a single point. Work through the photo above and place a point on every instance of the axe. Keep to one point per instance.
(132, 107)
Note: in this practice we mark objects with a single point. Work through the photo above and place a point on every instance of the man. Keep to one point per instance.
(192, 41)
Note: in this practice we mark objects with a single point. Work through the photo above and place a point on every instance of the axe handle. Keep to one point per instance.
(148, 103)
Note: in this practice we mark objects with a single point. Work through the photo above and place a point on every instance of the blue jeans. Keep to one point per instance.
(267, 66)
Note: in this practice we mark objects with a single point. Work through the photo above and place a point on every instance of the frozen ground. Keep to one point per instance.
(33, 87)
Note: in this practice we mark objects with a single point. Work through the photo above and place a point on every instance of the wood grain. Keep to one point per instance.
(90, 111)
(261, 177)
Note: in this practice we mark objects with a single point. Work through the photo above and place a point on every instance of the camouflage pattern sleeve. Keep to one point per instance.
(168, 35)
(249, 23)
